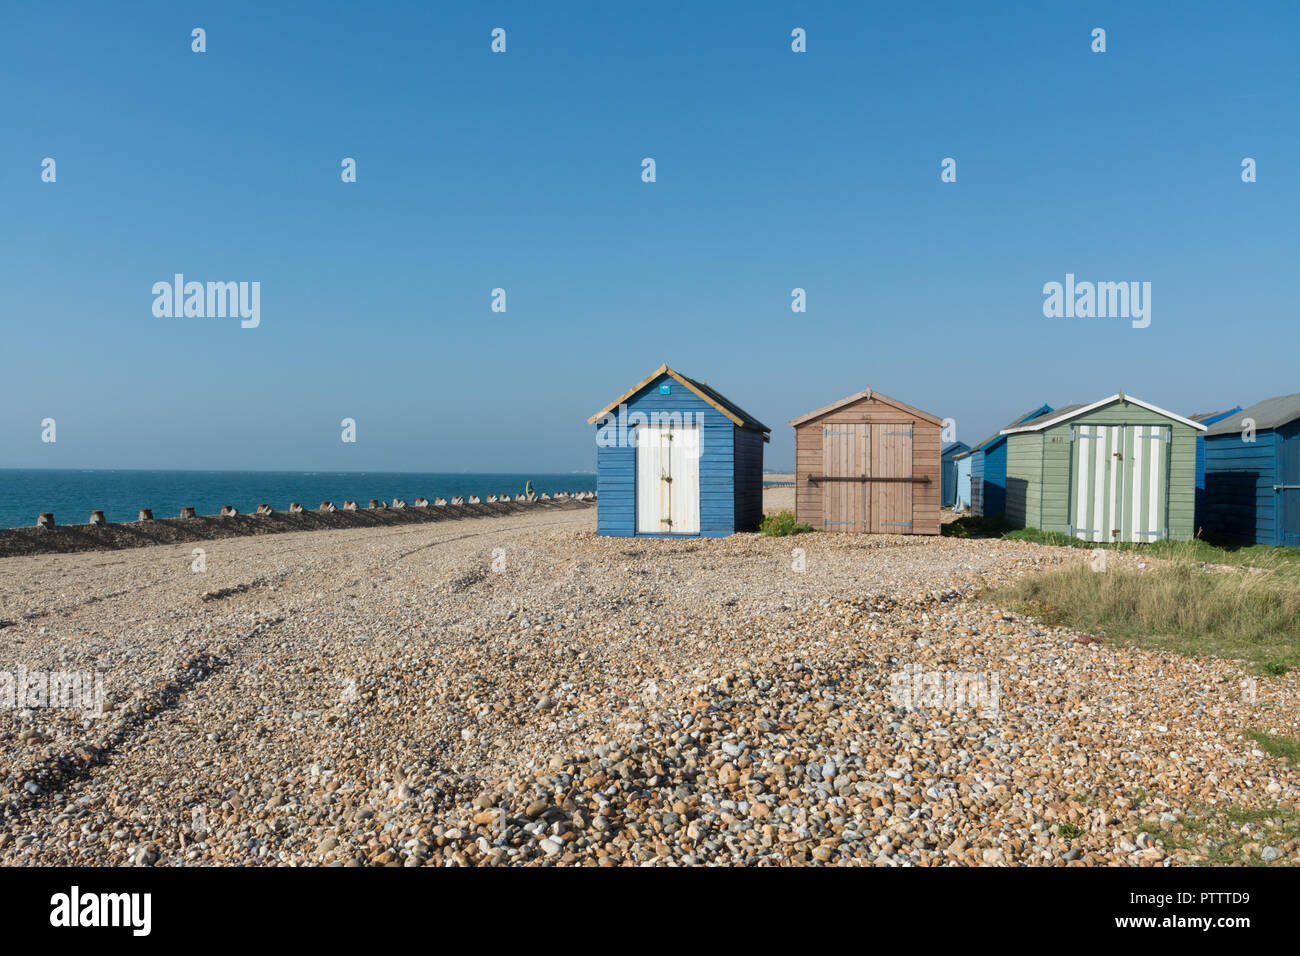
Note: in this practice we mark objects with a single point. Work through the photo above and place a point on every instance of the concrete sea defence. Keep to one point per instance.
(98, 535)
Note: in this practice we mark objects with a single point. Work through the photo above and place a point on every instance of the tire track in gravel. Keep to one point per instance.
(79, 761)
(63, 769)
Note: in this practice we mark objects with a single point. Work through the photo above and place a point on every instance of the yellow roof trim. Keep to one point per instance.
(661, 370)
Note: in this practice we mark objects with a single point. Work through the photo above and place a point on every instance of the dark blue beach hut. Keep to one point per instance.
(674, 458)
(1207, 419)
(1252, 474)
(948, 468)
(988, 469)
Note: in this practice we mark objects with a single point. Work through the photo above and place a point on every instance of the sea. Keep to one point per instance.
(72, 494)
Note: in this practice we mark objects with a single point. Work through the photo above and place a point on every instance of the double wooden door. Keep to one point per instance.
(867, 478)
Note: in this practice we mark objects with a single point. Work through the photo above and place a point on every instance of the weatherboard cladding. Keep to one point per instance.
(731, 466)
(1040, 472)
(1252, 488)
(948, 497)
(888, 421)
(963, 481)
(989, 468)
(1207, 419)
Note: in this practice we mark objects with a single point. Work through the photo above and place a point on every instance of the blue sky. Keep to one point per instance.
(775, 170)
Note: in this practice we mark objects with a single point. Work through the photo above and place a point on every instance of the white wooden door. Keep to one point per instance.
(668, 479)
(684, 467)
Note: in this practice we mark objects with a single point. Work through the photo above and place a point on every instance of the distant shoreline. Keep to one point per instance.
(65, 539)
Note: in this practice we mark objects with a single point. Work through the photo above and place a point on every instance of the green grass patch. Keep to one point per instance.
(1179, 606)
(1287, 748)
(781, 524)
(1220, 835)
(1284, 561)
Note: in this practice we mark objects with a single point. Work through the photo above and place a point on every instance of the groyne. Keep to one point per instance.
(48, 537)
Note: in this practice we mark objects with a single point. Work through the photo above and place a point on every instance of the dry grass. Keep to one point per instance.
(1251, 612)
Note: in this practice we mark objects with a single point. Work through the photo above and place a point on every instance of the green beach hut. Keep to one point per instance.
(1117, 470)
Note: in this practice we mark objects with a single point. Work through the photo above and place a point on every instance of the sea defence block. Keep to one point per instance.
(295, 508)
(97, 517)
(229, 511)
(146, 514)
(265, 510)
(421, 502)
(439, 502)
(328, 506)
(187, 513)
(398, 504)
(45, 519)
(349, 506)
(375, 503)
(457, 500)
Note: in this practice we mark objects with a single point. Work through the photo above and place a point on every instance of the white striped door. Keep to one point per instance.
(1118, 476)
(1146, 484)
(1096, 482)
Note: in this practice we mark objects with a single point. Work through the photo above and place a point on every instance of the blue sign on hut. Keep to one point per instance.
(948, 466)
(1207, 419)
(675, 458)
(988, 468)
(1252, 474)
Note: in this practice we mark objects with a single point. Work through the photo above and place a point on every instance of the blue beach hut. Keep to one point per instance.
(1252, 474)
(948, 470)
(674, 458)
(1207, 419)
(962, 502)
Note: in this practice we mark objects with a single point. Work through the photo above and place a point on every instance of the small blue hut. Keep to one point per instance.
(674, 458)
(1207, 419)
(1252, 474)
(948, 468)
(988, 469)
(962, 502)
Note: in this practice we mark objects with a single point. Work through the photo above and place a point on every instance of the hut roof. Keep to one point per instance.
(1270, 413)
(710, 395)
(1209, 418)
(1074, 411)
(1020, 420)
(859, 396)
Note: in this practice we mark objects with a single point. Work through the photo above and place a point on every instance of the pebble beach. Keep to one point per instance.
(514, 690)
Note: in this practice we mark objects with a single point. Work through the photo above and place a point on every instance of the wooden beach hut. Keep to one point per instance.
(1119, 469)
(1252, 474)
(948, 463)
(674, 458)
(868, 463)
(988, 468)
